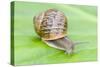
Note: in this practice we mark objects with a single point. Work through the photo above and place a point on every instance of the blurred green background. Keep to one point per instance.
(30, 49)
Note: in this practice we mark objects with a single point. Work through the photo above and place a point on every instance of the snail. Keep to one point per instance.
(51, 26)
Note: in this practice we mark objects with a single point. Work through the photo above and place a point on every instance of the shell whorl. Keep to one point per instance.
(51, 24)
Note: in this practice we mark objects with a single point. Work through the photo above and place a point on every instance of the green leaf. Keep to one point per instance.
(30, 49)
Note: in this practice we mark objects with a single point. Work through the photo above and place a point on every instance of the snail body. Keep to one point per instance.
(51, 26)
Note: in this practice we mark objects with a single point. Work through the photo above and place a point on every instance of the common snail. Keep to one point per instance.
(51, 26)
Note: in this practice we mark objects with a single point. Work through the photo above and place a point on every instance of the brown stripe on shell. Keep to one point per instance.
(53, 25)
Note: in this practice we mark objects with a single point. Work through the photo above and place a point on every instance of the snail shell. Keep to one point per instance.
(51, 26)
